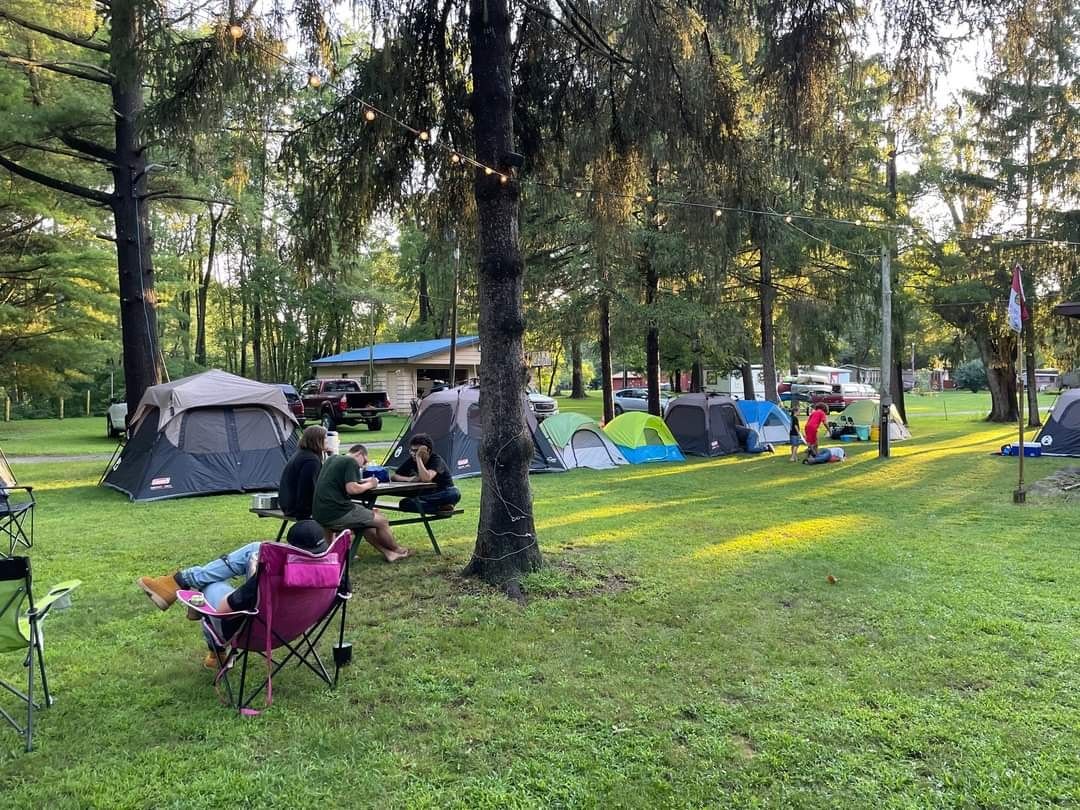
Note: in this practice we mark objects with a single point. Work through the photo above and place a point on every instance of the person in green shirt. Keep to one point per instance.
(340, 480)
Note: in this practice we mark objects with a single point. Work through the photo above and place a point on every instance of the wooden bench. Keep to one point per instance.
(414, 517)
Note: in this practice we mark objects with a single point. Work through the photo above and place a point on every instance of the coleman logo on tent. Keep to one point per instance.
(462, 463)
(397, 451)
(1047, 441)
(161, 483)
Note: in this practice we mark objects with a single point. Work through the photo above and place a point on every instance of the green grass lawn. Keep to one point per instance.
(682, 648)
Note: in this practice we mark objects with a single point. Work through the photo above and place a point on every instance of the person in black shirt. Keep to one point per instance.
(425, 465)
(297, 486)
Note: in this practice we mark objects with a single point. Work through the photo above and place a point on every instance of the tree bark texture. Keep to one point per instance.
(605, 356)
(138, 302)
(577, 383)
(747, 372)
(652, 287)
(506, 543)
(204, 288)
(697, 377)
(768, 338)
(1029, 372)
(998, 358)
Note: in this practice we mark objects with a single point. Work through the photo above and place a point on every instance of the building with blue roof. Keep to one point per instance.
(404, 370)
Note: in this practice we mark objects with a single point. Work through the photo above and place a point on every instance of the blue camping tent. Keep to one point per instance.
(771, 422)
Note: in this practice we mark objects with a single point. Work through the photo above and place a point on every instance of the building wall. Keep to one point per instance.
(398, 379)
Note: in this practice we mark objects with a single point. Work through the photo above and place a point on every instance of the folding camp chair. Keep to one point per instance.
(21, 632)
(17, 517)
(299, 594)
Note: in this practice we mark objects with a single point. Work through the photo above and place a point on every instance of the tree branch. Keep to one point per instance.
(168, 195)
(100, 75)
(92, 45)
(88, 147)
(93, 195)
(57, 151)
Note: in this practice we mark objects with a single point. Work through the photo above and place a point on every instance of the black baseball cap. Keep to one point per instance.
(308, 535)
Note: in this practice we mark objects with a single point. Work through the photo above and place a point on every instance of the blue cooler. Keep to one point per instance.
(381, 473)
(1031, 449)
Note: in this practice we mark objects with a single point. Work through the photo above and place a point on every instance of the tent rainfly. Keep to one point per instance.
(451, 418)
(209, 433)
(1060, 436)
(643, 437)
(581, 442)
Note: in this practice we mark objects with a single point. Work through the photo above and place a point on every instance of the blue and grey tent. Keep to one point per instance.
(1060, 436)
(771, 422)
(209, 433)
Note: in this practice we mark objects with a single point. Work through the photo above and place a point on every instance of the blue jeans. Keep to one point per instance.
(430, 502)
(213, 579)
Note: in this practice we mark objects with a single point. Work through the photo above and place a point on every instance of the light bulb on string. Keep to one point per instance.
(578, 194)
(236, 31)
(423, 135)
(718, 213)
(787, 219)
(455, 158)
(488, 170)
(369, 114)
(858, 222)
(314, 80)
(649, 198)
(504, 178)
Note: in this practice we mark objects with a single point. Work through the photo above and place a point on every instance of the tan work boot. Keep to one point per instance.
(161, 590)
(215, 659)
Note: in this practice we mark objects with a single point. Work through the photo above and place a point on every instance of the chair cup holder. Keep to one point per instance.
(343, 654)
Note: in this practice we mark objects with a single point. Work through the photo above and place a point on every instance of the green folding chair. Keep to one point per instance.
(20, 631)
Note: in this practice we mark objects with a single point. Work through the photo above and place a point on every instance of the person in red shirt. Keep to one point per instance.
(817, 418)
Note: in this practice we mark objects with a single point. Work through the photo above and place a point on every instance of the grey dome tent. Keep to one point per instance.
(209, 433)
(707, 424)
(581, 442)
(451, 418)
(1060, 436)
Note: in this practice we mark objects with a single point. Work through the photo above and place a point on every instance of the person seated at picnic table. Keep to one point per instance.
(340, 481)
(214, 580)
(426, 466)
(817, 418)
(297, 487)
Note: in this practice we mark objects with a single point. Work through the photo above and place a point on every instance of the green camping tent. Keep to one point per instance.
(643, 437)
(868, 412)
(560, 428)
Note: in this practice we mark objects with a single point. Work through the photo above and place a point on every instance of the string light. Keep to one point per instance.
(578, 194)
(313, 80)
(236, 31)
(369, 115)
(424, 135)
(504, 178)
(787, 219)
(488, 170)
(455, 158)
(718, 213)
(649, 198)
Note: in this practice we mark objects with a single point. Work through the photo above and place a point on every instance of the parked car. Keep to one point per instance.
(341, 402)
(116, 418)
(843, 394)
(542, 406)
(637, 399)
(806, 385)
(292, 397)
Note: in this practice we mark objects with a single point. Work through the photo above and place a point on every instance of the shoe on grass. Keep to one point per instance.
(215, 659)
(161, 590)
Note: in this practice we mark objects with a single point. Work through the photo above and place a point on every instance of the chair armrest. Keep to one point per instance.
(55, 594)
(207, 610)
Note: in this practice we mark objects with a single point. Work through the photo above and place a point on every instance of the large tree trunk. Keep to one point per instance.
(652, 335)
(997, 356)
(605, 356)
(506, 543)
(138, 304)
(577, 384)
(768, 339)
(747, 372)
(425, 300)
(697, 377)
(896, 384)
(204, 288)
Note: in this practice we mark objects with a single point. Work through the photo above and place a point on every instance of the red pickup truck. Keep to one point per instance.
(341, 402)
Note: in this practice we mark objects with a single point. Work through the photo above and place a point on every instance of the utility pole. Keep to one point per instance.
(453, 314)
(371, 346)
(886, 349)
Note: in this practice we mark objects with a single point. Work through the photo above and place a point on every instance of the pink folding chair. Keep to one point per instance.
(299, 594)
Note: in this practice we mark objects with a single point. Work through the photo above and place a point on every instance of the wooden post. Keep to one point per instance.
(7, 409)
(61, 407)
(87, 401)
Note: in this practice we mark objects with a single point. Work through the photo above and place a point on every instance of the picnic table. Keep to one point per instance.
(371, 499)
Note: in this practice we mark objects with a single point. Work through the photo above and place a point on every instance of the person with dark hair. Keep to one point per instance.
(340, 481)
(425, 465)
(817, 418)
(297, 487)
(214, 580)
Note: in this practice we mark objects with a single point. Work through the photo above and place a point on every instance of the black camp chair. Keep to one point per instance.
(16, 517)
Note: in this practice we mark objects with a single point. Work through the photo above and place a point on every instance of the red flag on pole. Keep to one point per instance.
(1018, 312)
